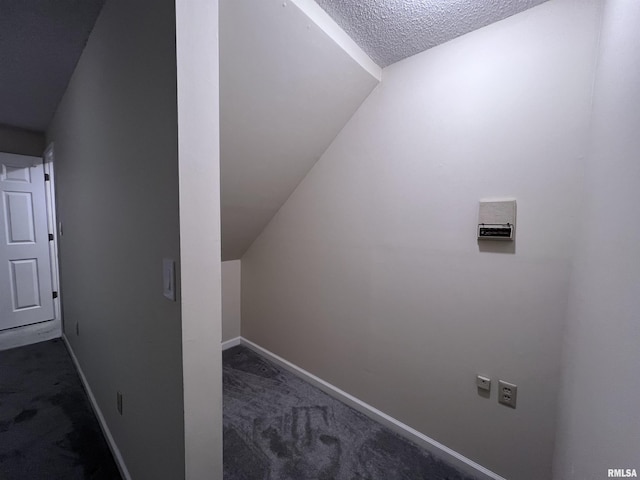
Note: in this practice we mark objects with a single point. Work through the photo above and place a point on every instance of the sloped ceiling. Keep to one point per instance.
(40, 44)
(288, 84)
(390, 30)
(286, 89)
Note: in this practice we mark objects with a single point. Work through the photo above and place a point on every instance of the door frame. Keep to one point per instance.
(40, 332)
(56, 229)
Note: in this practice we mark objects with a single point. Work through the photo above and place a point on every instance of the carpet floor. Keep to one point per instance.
(279, 427)
(48, 430)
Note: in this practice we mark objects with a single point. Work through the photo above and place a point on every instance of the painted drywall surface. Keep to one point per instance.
(230, 299)
(22, 142)
(116, 167)
(599, 427)
(287, 88)
(200, 244)
(370, 276)
(321, 18)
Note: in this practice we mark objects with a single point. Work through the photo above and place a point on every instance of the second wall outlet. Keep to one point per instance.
(507, 393)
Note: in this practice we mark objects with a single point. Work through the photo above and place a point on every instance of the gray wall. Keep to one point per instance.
(115, 135)
(22, 142)
(370, 276)
(599, 425)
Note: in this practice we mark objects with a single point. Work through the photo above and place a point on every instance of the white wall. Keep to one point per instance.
(200, 244)
(22, 142)
(599, 425)
(288, 85)
(370, 276)
(115, 134)
(230, 299)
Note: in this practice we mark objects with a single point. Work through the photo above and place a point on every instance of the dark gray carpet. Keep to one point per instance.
(47, 427)
(279, 427)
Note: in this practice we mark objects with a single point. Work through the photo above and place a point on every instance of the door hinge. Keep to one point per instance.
(51, 237)
(46, 177)
(55, 294)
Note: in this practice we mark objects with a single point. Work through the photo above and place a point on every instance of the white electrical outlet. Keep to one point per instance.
(507, 393)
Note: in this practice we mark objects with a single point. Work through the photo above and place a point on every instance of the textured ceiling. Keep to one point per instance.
(390, 30)
(40, 44)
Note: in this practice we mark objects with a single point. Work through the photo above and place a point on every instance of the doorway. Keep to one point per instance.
(29, 297)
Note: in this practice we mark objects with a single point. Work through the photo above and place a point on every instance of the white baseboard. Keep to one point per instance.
(103, 424)
(436, 448)
(234, 342)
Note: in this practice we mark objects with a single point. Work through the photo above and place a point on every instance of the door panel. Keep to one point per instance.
(25, 267)
(16, 174)
(24, 284)
(19, 218)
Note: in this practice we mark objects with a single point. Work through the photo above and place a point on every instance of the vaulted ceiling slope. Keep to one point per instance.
(292, 72)
(287, 87)
(390, 30)
(40, 44)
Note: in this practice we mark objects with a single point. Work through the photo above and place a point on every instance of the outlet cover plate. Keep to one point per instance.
(483, 383)
(507, 393)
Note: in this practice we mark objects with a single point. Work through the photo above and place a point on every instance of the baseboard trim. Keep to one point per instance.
(442, 451)
(234, 342)
(103, 424)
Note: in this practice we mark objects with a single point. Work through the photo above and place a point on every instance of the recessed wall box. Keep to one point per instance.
(497, 220)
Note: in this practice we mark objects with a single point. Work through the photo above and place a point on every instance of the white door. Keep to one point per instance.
(26, 295)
